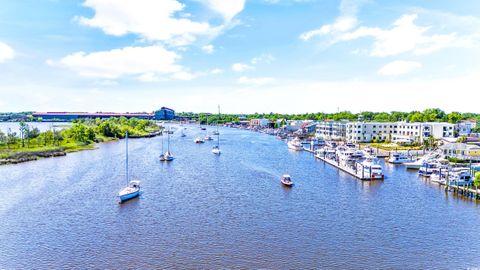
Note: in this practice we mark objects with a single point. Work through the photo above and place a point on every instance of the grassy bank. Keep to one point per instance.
(391, 146)
(29, 144)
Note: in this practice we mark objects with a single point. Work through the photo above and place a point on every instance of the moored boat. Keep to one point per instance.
(295, 144)
(132, 189)
(398, 158)
(286, 180)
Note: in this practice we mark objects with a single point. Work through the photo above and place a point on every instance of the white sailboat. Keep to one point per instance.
(168, 156)
(132, 189)
(216, 148)
(162, 155)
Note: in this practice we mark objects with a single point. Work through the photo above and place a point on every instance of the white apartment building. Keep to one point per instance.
(466, 127)
(331, 130)
(400, 132)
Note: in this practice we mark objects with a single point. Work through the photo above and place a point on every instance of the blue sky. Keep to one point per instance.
(290, 56)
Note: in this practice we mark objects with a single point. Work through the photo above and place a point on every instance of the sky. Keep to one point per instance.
(285, 56)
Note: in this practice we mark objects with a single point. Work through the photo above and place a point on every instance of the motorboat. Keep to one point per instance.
(295, 144)
(369, 168)
(369, 151)
(428, 168)
(208, 138)
(398, 158)
(286, 180)
(463, 178)
(350, 145)
(216, 132)
(199, 140)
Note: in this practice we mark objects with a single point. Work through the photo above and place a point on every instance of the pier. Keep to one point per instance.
(353, 172)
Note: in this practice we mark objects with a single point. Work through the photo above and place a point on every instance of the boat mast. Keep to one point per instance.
(218, 133)
(126, 155)
(168, 141)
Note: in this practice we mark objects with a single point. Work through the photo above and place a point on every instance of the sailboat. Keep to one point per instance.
(216, 130)
(183, 134)
(162, 155)
(207, 137)
(216, 148)
(132, 189)
(168, 156)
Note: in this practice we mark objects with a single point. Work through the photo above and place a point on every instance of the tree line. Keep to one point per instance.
(82, 131)
(428, 115)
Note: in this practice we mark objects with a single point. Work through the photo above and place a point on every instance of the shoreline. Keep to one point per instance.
(26, 156)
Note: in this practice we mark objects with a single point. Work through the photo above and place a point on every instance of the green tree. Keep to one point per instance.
(454, 117)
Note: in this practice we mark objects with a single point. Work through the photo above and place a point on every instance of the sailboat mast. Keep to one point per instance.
(126, 156)
(168, 141)
(218, 123)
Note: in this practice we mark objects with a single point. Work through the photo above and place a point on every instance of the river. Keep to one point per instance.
(203, 211)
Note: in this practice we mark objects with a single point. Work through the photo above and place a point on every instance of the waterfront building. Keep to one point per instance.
(69, 116)
(398, 132)
(466, 127)
(164, 114)
(331, 130)
(461, 151)
(259, 123)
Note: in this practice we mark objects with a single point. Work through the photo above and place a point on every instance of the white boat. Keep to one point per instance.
(129, 192)
(286, 180)
(132, 189)
(295, 144)
(199, 140)
(369, 151)
(429, 168)
(183, 134)
(398, 158)
(162, 155)
(369, 168)
(168, 155)
(461, 179)
(208, 138)
(216, 148)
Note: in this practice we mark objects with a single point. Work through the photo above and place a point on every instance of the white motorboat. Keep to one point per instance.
(398, 158)
(199, 140)
(208, 138)
(132, 189)
(286, 180)
(369, 168)
(463, 178)
(295, 144)
(429, 168)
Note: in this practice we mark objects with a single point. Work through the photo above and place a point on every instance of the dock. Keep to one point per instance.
(349, 170)
(465, 191)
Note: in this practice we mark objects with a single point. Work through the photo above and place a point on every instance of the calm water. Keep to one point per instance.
(203, 211)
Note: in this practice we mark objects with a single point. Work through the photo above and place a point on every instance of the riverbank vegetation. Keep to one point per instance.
(428, 115)
(29, 143)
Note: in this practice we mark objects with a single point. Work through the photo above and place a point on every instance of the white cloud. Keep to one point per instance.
(404, 36)
(399, 67)
(347, 20)
(255, 81)
(263, 58)
(216, 71)
(157, 20)
(146, 62)
(6, 52)
(240, 67)
(228, 9)
(208, 49)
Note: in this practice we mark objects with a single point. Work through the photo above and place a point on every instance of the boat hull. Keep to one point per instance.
(129, 196)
